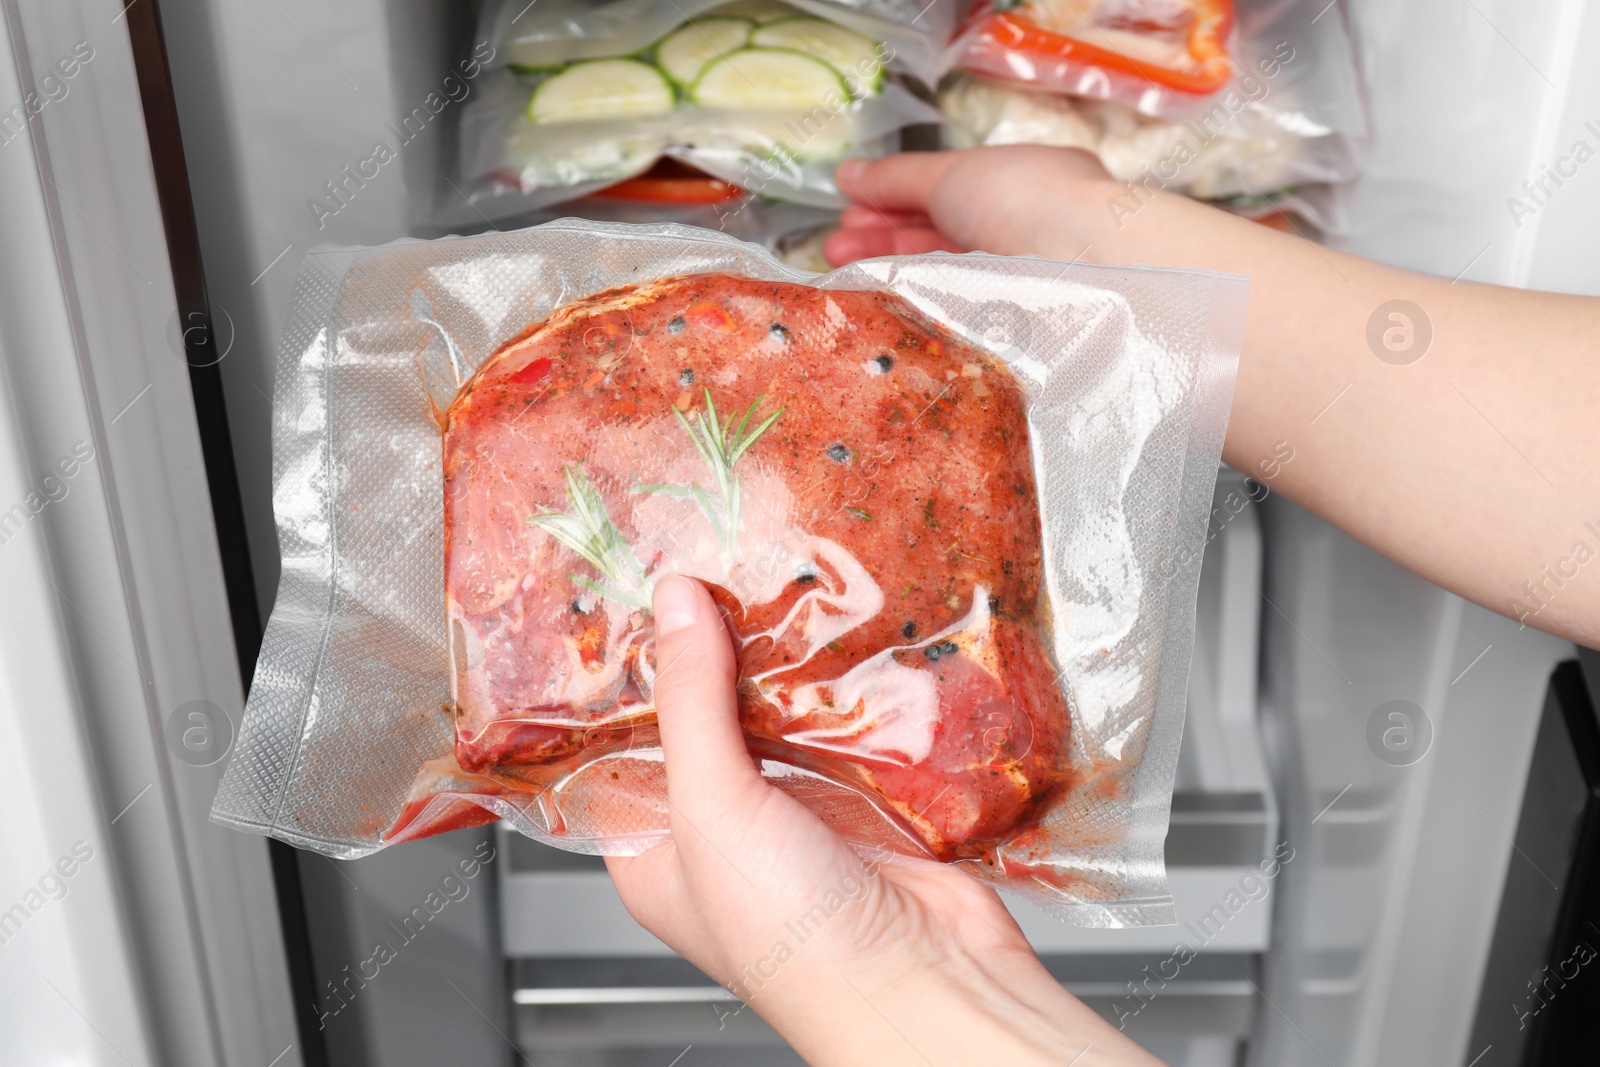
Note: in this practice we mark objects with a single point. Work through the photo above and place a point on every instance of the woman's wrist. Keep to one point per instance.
(921, 1004)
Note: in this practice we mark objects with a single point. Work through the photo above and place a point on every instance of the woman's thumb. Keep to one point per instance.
(696, 704)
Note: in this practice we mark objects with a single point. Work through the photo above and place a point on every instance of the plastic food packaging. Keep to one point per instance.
(1249, 156)
(1156, 56)
(766, 96)
(557, 32)
(938, 498)
(779, 224)
(1282, 129)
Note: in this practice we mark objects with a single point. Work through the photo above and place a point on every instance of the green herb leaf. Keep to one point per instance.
(588, 531)
(721, 443)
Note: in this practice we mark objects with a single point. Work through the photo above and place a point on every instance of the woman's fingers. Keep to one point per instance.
(649, 887)
(709, 770)
(849, 245)
(902, 182)
(885, 231)
(865, 218)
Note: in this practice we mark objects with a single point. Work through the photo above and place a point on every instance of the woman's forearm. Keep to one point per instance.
(1002, 1009)
(1457, 433)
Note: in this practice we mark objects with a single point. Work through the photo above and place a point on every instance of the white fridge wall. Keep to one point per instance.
(67, 949)
(1467, 101)
(166, 947)
(1382, 933)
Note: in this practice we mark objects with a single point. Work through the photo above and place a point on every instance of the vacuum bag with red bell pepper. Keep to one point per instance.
(951, 508)
(1251, 104)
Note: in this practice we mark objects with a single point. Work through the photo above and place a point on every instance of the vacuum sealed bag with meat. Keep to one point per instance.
(950, 506)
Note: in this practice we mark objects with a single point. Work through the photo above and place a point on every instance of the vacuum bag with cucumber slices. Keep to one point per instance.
(952, 509)
(766, 96)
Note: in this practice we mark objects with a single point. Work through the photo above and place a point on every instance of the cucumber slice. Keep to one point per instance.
(602, 89)
(770, 79)
(855, 57)
(756, 10)
(684, 52)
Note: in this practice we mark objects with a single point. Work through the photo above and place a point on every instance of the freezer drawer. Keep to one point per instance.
(632, 1009)
(568, 913)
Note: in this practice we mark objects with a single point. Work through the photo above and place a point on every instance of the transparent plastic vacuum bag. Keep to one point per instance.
(1284, 126)
(952, 507)
(554, 33)
(761, 94)
(512, 165)
(1290, 59)
(1250, 155)
(1158, 56)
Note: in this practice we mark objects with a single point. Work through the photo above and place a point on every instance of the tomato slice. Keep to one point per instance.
(646, 188)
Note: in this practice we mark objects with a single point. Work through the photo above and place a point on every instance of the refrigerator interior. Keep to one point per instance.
(1368, 948)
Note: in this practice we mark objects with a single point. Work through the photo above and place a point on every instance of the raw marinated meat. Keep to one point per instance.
(854, 484)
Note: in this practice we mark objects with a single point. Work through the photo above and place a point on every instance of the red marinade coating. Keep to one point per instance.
(885, 587)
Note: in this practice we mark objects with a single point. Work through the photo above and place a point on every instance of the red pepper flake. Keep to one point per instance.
(710, 315)
(536, 371)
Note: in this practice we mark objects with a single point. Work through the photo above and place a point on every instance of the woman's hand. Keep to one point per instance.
(854, 963)
(1011, 201)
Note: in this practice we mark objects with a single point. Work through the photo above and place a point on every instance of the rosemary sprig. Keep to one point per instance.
(720, 444)
(588, 530)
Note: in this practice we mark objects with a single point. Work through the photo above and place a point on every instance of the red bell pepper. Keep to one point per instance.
(1207, 46)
